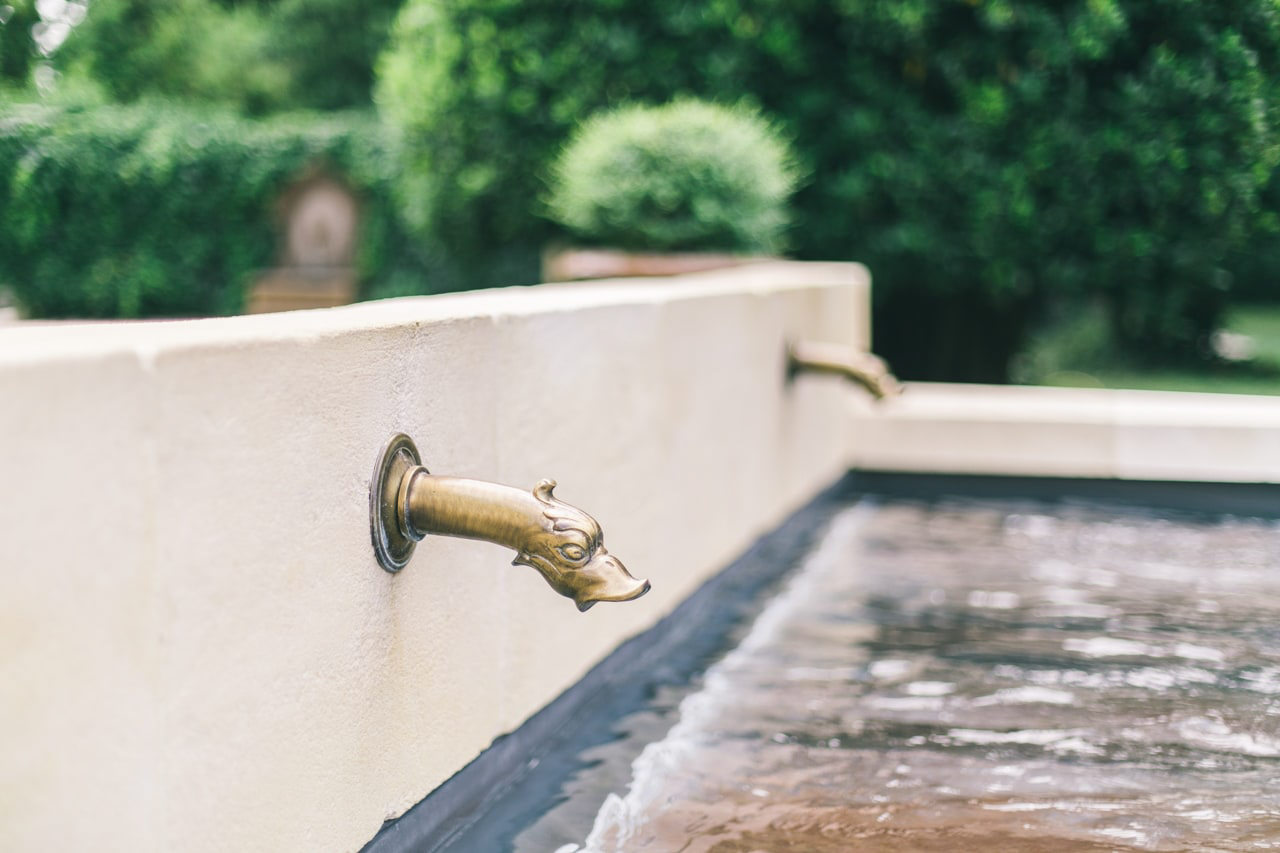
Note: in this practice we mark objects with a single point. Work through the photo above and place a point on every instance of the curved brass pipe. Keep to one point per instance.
(565, 544)
(869, 371)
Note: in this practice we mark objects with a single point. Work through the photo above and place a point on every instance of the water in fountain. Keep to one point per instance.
(971, 675)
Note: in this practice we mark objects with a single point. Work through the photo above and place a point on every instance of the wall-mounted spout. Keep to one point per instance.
(562, 542)
(869, 371)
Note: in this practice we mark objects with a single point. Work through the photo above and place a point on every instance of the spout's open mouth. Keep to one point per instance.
(631, 590)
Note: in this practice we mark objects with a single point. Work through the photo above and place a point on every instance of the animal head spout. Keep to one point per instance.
(568, 550)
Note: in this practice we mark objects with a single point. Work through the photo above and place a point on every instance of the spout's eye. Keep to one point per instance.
(572, 553)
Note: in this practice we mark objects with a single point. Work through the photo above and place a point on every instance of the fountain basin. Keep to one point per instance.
(979, 665)
(213, 636)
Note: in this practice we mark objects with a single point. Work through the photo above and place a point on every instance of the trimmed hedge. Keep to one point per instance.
(986, 159)
(686, 176)
(155, 210)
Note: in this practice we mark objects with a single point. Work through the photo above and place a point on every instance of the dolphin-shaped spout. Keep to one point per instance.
(868, 370)
(567, 548)
(563, 543)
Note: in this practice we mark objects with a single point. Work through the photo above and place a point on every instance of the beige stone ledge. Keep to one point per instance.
(197, 649)
(1068, 432)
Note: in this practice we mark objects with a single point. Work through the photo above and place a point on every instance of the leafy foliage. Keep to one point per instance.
(161, 211)
(17, 50)
(487, 91)
(684, 176)
(987, 158)
(189, 49)
(1256, 265)
(253, 57)
(329, 48)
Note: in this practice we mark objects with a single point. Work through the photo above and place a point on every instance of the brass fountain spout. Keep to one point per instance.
(565, 544)
(869, 371)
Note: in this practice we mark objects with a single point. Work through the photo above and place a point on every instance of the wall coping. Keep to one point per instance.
(1071, 432)
(28, 341)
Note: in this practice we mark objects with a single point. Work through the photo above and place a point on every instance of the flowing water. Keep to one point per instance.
(971, 676)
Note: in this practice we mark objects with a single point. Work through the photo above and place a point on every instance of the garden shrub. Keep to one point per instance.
(986, 158)
(155, 210)
(684, 176)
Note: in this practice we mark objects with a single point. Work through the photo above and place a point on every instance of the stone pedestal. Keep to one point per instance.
(571, 264)
(320, 217)
(293, 288)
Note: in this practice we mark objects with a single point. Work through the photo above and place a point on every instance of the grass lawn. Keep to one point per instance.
(1262, 323)
(1260, 375)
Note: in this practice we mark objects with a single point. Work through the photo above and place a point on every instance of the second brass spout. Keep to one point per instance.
(869, 371)
(563, 543)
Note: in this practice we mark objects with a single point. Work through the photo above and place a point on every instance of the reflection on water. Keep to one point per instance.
(985, 676)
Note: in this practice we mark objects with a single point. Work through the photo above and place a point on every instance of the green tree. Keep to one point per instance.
(330, 47)
(257, 57)
(986, 157)
(17, 49)
(487, 90)
(188, 49)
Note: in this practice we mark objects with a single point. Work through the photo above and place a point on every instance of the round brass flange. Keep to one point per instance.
(391, 542)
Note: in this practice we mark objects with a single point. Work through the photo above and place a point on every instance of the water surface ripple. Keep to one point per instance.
(986, 676)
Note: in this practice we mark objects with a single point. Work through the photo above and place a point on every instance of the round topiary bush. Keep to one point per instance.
(687, 175)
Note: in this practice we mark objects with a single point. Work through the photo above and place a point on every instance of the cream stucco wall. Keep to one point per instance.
(197, 649)
(1070, 432)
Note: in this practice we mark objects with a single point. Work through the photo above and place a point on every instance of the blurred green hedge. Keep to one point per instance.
(685, 176)
(157, 210)
(990, 160)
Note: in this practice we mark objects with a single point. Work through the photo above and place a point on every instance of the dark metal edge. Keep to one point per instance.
(383, 525)
(1260, 500)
